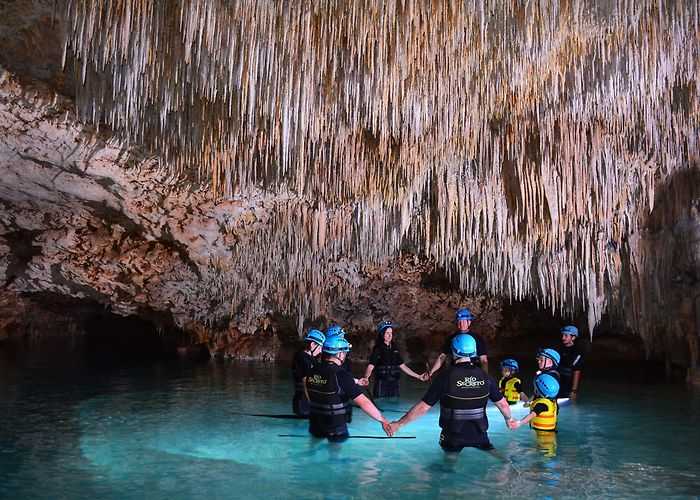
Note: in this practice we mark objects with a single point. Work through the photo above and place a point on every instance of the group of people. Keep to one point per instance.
(325, 389)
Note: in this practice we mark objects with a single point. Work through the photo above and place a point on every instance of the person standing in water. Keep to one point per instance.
(464, 320)
(571, 363)
(463, 392)
(331, 390)
(302, 363)
(510, 385)
(387, 364)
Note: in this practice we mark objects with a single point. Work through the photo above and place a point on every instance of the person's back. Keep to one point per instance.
(329, 403)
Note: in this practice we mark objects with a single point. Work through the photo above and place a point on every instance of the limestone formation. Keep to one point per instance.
(260, 158)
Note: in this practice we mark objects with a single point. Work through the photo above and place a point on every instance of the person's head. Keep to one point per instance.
(385, 332)
(314, 340)
(569, 334)
(546, 386)
(335, 331)
(463, 347)
(464, 320)
(336, 347)
(547, 358)
(509, 367)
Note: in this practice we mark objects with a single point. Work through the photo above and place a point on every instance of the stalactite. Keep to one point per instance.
(517, 145)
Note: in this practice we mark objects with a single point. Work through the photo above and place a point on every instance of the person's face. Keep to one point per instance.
(542, 362)
(506, 372)
(388, 335)
(567, 339)
(463, 324)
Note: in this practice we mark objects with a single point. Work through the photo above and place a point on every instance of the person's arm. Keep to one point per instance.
(306, 393)
(525, 419)
(418, 410)
(539, 408)
(410, 372)
(504, 408)
(369, 408)
(484, 362)
(364, 381)
(436, 366)
(574, 384)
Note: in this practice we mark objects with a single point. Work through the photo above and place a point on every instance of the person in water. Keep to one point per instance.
(302, 363)
(331, 391)
(571, 363)
(463, 392)
(464, 320)
(547, 362)
(387, 364)
(337, 331)
(510, 385)
(543, 414)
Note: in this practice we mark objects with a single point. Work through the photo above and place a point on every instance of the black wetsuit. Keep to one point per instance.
(302, 364)
(331, 390)
(463, 392)
(481, 347)
(386, 360)
(571, 361)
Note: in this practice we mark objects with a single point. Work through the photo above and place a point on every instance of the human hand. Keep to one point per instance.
(425, 376)
(572, 395)
(392, 428)
(363, 382)
(512, 423)
(387, 428)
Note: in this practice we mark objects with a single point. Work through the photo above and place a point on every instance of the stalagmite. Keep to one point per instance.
(510, 143)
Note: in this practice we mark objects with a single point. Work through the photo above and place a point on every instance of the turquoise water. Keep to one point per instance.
(75, 427)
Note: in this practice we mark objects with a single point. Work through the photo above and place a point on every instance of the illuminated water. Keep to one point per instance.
(77, 428)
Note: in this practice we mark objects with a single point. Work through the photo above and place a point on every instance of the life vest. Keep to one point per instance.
(547, 420)
(466, 398)
(388, 363)
(328, 403)
(507, 387)
(302, 364)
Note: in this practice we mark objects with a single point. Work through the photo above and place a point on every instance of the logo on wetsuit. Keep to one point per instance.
(316, 380)
(470, 382)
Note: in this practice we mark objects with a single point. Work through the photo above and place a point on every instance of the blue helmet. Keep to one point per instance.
(335, 345)
(463, 314)
(550, 354)
(335, 331)
(315, 336)
(546, 386)
(570, 330)
(511, 364)
(464, 346)
(383, 326)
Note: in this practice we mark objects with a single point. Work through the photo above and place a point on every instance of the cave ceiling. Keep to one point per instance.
(269, 152)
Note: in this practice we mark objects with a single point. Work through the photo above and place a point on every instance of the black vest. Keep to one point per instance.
(466, 398)
(302, 364)
(329, 404)
(388, 362)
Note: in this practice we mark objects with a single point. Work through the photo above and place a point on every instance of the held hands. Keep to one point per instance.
(363, 382)
(425, 376)
(390, 428)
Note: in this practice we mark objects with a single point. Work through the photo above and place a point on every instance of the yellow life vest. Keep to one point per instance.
(547, 420)
(507, 387)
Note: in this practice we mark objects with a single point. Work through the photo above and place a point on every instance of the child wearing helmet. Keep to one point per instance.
(389, 364)
(302, 363)
(548, 363)
(510, 385)
(544, 409)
